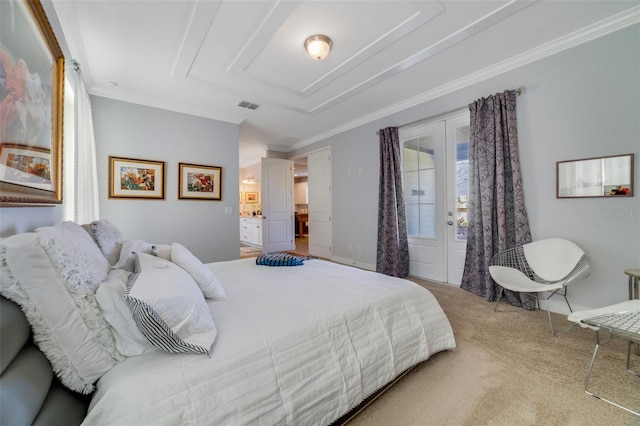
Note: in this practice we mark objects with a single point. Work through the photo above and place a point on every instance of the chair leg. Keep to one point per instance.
(495, 307)
(564, 294)
(630, 344)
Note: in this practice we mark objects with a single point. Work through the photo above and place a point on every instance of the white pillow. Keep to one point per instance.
(129, 340)
(68, 325)
(74, 255)
(168, 307)
(108, 238)
(161, 250)
(129, 247)
(203, 276)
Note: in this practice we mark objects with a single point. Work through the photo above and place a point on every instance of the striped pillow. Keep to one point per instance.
(279, 259)
(168, 307)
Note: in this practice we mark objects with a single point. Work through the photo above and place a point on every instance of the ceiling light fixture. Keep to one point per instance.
(318, 46)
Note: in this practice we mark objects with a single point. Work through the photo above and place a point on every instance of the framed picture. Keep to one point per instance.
(251, 197)
(26, 165)
(198, 182)
(610, 176)
(131, 178)
(31, 132)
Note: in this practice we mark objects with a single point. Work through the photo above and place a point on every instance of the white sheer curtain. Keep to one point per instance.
(80, 171)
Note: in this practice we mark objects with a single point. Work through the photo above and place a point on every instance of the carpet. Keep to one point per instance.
(507, 369)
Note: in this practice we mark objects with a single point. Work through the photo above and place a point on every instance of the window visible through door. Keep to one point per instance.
(461, 140)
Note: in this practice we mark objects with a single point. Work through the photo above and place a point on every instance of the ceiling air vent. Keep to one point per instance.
(248, 105)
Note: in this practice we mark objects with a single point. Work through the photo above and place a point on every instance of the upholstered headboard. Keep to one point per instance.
(29, 391)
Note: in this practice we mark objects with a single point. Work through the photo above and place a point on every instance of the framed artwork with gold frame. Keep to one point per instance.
(132, 178)
(31, 131)
(198, 182)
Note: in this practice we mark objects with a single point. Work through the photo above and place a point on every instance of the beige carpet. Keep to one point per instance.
(508, 370)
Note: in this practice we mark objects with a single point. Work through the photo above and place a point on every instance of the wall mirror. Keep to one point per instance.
(32, 100)
(610, 176)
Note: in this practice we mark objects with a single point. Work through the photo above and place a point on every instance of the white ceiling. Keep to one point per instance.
(204, 57)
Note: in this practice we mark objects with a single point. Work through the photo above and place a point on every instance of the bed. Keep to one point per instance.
(300, 345)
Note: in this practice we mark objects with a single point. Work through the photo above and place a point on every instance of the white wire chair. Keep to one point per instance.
(548, 265)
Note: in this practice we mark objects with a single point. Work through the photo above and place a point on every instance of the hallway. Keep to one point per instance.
(302, 245)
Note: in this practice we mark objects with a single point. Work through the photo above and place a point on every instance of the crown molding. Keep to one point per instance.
(602, 28)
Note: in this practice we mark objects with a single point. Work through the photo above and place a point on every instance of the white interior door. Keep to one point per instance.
(277, 205)
(319, 194)
(435, 186)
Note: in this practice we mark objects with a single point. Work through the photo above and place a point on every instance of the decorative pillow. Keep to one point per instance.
(168, 307)
(129, 247)
(67, 323)
(74, 255)
(129, 340)
(108, 238)
(279, 259)
(203, 276)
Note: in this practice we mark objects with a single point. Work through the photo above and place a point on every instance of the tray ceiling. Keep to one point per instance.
(205, 57)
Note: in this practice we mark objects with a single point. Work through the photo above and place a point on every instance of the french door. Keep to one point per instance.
(435, 164)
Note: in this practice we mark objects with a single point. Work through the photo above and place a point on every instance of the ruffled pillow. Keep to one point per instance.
(108, 238)
(52, 275)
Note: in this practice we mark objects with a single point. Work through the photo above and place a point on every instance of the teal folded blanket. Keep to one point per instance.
(279, 259)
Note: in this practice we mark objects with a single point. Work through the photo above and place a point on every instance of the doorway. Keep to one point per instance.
(301, 205)
(435, 161)
(314, 209)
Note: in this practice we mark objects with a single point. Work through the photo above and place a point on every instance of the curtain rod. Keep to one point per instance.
(519, 91)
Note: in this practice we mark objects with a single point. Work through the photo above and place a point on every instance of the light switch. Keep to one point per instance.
(228, 210)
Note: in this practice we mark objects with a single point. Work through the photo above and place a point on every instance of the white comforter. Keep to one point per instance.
(296, 345)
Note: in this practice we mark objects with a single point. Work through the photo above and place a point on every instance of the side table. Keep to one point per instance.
(625, 325)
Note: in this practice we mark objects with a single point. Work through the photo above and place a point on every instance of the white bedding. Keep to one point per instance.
(297, 345)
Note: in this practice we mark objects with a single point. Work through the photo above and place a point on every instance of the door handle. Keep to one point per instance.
(450, 223)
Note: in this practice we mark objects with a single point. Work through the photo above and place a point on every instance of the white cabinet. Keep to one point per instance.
(251, 231)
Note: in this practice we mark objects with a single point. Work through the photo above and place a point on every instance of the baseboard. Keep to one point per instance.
(352, 262)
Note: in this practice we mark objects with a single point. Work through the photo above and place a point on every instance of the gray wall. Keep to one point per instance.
(579, 103)
(134, 131)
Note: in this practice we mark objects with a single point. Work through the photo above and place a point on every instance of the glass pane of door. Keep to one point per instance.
(462, 184)
(419, 186)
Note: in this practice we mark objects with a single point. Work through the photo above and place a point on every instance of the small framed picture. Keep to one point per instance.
(199, 182)
(251, 197)
(25, 165)
(132, 178)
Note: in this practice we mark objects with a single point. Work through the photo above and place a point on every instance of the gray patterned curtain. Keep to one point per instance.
(497, 215)
(393, 248)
